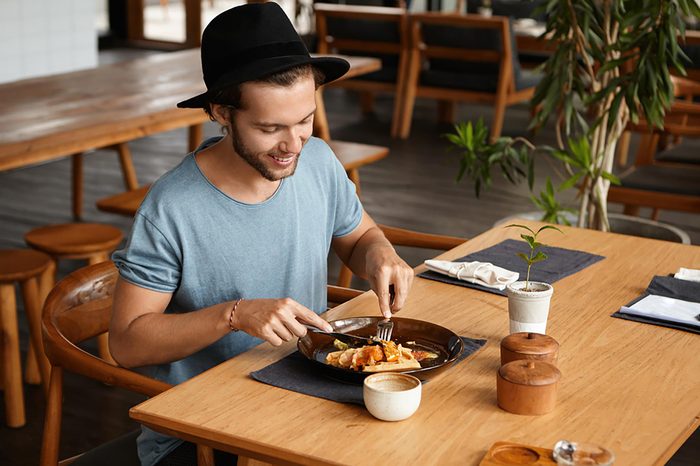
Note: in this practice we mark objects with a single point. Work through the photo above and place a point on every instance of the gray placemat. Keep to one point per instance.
(669, 287)
(298, 374)
(560, 263)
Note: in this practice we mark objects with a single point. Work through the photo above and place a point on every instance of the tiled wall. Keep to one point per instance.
(41, 37)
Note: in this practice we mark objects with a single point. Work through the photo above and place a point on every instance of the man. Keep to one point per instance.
(230, 247)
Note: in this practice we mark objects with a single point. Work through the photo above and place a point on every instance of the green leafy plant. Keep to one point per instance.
(611, 63)
(535, 254)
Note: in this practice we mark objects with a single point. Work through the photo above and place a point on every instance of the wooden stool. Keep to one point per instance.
(354, 155)
(23, 266)
(91, 241)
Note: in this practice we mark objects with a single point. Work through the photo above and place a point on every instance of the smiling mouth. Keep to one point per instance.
(283, 159)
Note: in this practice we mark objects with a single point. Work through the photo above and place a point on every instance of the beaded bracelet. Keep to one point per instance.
(230, 316)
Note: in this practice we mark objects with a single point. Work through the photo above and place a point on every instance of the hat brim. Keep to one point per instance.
(332, 67)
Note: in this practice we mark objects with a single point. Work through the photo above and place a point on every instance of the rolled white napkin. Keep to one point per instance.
(481, 273)
(688, 274)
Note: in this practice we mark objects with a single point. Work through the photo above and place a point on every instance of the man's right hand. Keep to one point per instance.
(276, 320)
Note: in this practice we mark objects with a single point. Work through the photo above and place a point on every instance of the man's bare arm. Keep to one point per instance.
(370, 255)
(142, 334)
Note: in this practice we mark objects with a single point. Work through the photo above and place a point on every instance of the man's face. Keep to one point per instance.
(273, 126)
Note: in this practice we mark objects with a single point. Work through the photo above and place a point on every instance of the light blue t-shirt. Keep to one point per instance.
(192, 240)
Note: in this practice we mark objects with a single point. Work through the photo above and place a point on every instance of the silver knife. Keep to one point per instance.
(350, 339)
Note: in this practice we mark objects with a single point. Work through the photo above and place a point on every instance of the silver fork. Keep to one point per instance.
(386, 327)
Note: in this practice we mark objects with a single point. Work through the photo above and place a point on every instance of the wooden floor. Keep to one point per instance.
(414, 188)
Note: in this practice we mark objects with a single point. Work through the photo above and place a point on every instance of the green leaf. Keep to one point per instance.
(569, 183)
(523, 256)
(539, 257)
(549, 227)
(611, 178)
(530, 239)
(515, 225)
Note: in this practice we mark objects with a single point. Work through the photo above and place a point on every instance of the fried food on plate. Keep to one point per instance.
(387, 356)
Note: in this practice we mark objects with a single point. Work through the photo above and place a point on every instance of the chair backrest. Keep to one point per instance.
(364, 30)
(79, 308)
(464, 52)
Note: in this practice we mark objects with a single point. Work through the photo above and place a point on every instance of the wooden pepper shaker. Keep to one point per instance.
(531, 346)
(527, 387)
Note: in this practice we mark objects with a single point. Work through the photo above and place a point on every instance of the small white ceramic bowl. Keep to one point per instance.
(391, 396)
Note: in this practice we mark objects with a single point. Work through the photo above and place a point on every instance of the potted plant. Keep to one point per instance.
(528, 301)
(611, 63)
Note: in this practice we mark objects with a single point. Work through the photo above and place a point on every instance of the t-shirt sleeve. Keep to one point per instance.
(348, 208)
(149, 260)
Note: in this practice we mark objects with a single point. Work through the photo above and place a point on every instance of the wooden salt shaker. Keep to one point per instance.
(527, 387)
(527, 345)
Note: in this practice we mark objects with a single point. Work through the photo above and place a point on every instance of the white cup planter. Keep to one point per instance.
(528, 310)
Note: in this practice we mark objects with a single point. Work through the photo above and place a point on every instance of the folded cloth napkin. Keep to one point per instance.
(482, 273)
(298, 374)
(667, 302)
(688, 274)
(560, 263)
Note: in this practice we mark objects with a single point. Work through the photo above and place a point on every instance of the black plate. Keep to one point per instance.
(421, 335)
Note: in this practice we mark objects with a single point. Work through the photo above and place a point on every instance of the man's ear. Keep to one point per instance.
(221, 114)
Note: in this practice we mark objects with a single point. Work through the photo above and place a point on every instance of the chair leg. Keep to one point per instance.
(205, 455)
(31, 369)
(655, 214)
(195, 136)
(366, 102)
(354, 176)
(409, 95)
(345, 276)
(446, 111)
(52, 421)
(32, 307)
(499, 113)
(77, 181)
(11, 367)
(623, 148)
(321, 129)
(400, 94)
(127, 164)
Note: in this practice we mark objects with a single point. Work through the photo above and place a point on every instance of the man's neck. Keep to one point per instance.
(231, 174)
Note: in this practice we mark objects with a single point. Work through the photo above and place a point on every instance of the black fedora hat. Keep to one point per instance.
(249, 42)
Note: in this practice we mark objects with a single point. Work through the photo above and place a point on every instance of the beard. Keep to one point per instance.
(257, 160)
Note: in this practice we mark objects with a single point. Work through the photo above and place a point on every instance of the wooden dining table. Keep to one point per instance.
(628, 386)
(52, 117)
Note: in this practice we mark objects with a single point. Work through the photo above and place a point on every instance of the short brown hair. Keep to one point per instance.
(231, 97)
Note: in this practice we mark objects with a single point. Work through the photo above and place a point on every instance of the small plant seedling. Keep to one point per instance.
(535, 254)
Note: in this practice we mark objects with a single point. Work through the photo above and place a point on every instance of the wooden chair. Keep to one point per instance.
(25, 267)
(368, 31)
(464, 58)
(93, 242)
(409, 238)
(78, 309)
(667, 179)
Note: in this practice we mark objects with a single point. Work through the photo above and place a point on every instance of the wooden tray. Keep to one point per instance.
(509, 454)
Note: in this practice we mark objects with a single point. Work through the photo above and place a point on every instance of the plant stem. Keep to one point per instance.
(527, 278)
